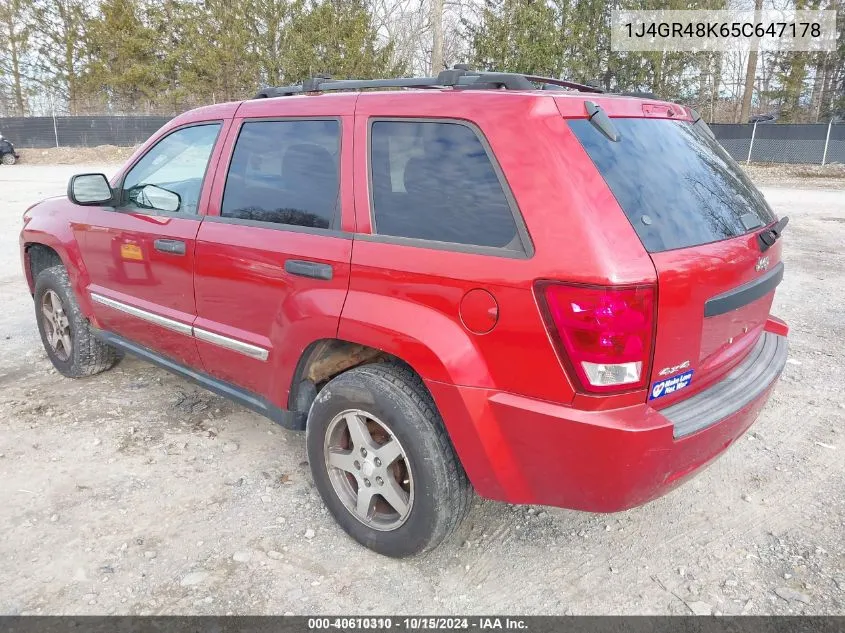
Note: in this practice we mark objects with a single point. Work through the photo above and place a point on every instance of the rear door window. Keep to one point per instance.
(435, 181)
(285, 172)
(675, 183)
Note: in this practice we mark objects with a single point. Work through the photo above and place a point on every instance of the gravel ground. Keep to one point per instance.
(800, 176)
(75, 155)
(135, 492)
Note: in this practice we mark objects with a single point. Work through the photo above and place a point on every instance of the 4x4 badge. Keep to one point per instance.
(762, 264)
(671, 370)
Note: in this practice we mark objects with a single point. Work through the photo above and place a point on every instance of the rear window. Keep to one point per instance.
(675, 183)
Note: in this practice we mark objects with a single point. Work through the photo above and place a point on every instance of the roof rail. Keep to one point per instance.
(639, 94)
(322, 84)
(458, 77)
(563, 83)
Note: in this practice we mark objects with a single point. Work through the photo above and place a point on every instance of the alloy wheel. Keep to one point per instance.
(56, 325)
(369, 470)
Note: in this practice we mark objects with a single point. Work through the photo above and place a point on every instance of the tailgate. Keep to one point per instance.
(713, 302)
(697, 214)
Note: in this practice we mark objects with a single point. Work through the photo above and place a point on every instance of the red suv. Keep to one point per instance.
(492, 281)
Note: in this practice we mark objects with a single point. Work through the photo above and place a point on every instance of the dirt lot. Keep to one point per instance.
(75, 155)
(136, 492)
(802, 176)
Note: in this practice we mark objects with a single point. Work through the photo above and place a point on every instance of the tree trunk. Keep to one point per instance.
(793, 86)
(818, 87)
(751, 71)
(828, 91)
(717, 85)
(70, 35)
(436, 36)
(748, 90)
(16, 73)
(767, 64)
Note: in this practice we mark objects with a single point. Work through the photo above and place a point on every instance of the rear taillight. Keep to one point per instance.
(604, 334)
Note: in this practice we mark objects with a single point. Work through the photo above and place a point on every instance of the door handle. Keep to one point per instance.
(314, 270)
(173, 247)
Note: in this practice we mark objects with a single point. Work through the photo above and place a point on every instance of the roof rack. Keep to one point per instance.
(458, 77)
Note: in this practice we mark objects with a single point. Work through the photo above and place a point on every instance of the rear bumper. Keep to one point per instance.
(739, 388)
(521, 450)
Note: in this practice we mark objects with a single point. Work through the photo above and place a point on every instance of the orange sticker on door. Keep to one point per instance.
(131, 251)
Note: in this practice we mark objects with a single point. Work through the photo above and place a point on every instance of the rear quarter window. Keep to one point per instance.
(675, 183)
(435, 181)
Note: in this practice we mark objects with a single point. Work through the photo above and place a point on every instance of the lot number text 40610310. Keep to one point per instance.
(422, 623)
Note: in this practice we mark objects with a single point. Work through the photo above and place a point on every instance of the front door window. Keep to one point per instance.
(169, 177)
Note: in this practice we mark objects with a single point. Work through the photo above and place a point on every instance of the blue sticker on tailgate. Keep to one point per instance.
(670, 385)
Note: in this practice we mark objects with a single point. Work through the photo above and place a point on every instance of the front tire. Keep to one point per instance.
(65, 333)
(383, 463)
(8, 159)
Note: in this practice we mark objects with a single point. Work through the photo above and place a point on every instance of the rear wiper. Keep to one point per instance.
(771, 235)
(601, 121)
(698, 122)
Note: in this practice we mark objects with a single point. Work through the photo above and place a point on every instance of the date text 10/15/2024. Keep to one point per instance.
(418, 623)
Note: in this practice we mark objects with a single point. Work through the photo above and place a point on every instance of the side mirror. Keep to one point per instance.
(89, 190)
(153, 197)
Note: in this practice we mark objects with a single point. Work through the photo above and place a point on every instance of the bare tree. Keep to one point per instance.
(406, 24)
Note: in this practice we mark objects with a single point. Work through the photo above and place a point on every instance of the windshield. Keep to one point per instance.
(675, 183)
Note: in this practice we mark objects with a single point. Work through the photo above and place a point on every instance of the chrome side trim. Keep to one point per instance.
(151, 317)
(253, 351)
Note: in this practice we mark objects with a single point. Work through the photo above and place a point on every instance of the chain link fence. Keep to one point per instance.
(79, 131)
(811, 143)
(796, 143)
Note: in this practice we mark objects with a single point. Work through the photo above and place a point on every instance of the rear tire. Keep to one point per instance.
(65, 333)
(386, 410)
(8, 159)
